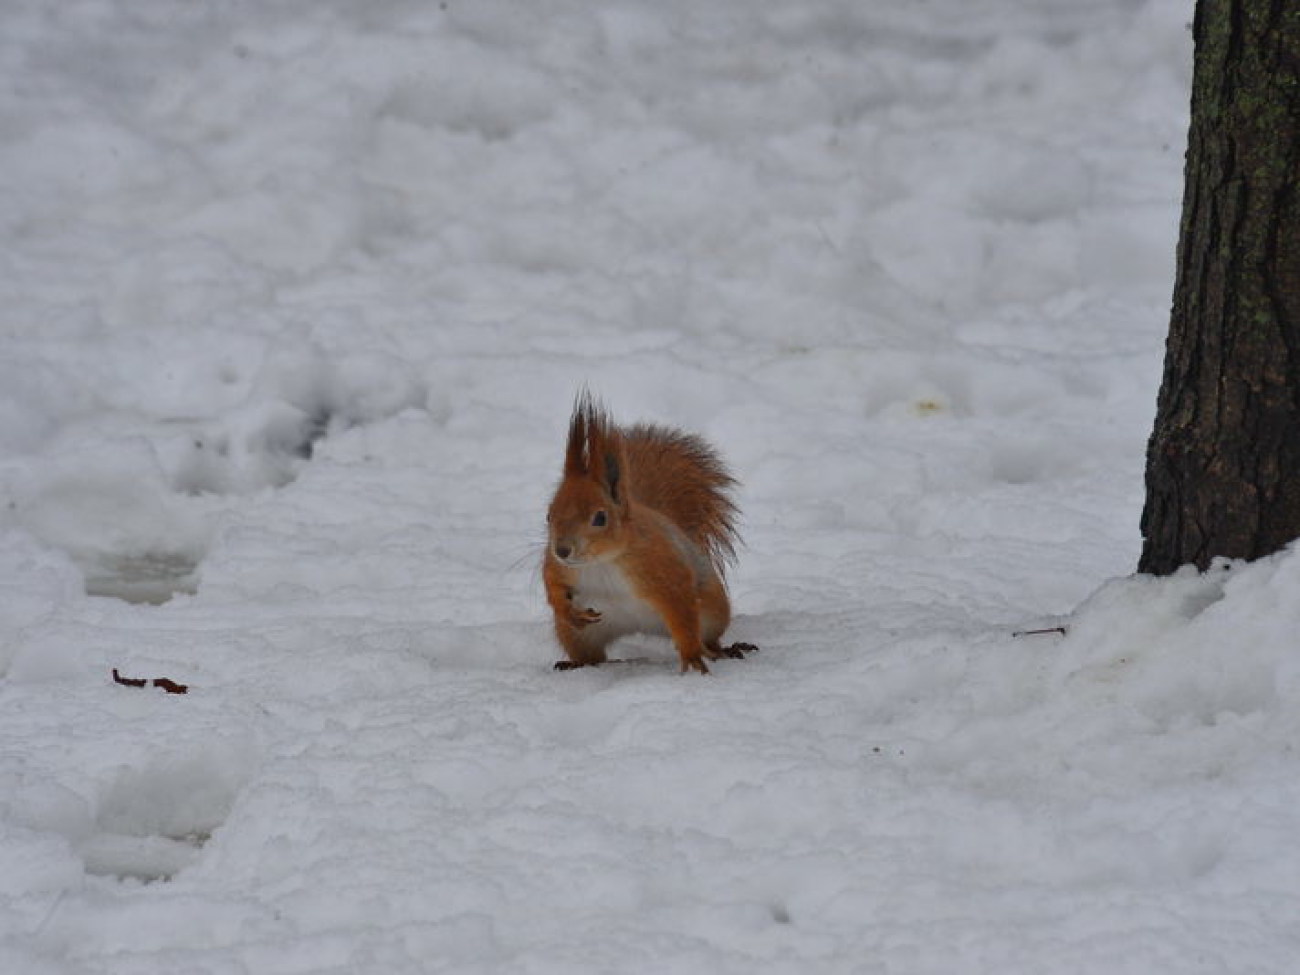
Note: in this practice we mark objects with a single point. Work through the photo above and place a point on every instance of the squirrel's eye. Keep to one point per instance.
(598, 519)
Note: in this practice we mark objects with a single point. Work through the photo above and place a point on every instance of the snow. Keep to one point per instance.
(296, 298)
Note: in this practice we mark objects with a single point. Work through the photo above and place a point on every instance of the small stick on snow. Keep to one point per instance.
(1049, 629)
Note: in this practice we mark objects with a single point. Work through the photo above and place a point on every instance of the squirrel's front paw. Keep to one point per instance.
(584, 617)
(695, 663)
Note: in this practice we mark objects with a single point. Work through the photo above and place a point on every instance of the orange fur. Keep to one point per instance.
(640, 532)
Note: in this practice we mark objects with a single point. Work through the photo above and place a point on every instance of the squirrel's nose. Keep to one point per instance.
(563, 551)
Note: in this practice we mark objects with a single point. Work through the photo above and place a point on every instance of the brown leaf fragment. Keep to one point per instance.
(166, 683)
(128, 681)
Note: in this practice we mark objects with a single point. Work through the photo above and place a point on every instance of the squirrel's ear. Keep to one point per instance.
(612, 475)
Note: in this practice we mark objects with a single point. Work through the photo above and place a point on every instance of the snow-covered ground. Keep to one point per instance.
(294, 300)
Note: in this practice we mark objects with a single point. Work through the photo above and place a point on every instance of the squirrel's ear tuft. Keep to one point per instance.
(590, 435)
(575, 453)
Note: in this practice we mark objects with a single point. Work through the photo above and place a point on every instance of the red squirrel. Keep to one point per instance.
(640, 530)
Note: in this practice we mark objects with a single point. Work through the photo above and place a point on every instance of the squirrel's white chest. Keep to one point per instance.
(606, 590)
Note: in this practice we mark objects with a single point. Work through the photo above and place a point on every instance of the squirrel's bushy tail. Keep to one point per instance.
(680, 476)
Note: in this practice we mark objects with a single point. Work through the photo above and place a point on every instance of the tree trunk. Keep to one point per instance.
(1223, 462)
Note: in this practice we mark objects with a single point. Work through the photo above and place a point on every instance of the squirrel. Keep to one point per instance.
(640, 532)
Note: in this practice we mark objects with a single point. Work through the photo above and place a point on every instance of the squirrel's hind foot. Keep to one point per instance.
(737, 651)
(570, 665)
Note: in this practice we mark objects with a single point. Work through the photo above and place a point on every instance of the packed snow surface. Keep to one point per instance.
(295, 298)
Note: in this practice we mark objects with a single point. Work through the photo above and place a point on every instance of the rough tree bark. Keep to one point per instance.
(1223, 462)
